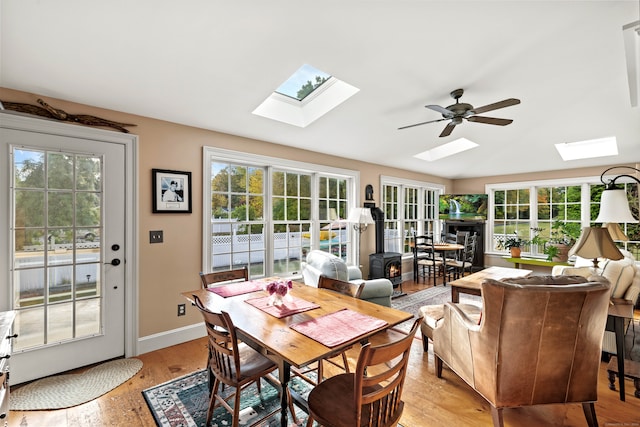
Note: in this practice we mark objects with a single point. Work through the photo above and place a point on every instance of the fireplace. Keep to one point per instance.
(386, 265)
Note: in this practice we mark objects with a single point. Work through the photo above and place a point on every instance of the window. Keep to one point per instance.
(237, 216)
(409, 207)
(520, 207)
(267, 213)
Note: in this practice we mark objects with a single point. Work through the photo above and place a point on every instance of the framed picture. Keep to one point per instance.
(171, 191)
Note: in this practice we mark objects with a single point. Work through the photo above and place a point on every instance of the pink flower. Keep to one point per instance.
(272, 287)
(282, 289)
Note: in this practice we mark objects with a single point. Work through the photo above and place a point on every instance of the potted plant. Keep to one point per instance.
(563, 237)
(512, 243)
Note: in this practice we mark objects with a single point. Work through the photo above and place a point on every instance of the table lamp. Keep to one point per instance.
(616, 232)
(594, 243)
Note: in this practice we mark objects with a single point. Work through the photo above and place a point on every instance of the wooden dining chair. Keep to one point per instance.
(371, 396)
(465, 261)
(232, 364)
(346, 288)
(239, 274)
(425, 262)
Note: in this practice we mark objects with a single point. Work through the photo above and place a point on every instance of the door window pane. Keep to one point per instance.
(56, 262)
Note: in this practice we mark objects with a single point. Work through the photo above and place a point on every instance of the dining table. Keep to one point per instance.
(277, 336)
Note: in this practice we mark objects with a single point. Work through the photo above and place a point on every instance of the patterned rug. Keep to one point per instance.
(184, 402)
(435, 295)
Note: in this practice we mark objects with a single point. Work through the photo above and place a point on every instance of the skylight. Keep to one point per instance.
(601, 147)
(305, 97)
(303, 82)
(446, 150)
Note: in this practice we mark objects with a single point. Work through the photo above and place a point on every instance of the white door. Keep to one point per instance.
(65, 231)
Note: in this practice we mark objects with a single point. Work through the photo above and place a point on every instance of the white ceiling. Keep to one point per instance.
(210, 63)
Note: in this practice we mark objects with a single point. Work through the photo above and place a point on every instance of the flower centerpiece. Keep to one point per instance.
(279, 291)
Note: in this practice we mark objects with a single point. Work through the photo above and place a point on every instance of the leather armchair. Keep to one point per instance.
(535, 343)
(319, 263)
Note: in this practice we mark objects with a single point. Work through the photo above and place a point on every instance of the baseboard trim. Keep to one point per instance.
(155, 342)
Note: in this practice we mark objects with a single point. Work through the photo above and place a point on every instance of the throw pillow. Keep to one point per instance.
(620, 275)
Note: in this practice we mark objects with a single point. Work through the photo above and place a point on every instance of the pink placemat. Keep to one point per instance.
(339, 327)
(238, 288)
(295, 305)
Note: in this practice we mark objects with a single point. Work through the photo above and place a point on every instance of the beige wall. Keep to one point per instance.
(167, 269)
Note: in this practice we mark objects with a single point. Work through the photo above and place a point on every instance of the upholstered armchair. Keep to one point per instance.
(535, 343)
(624, 276)
(319, 263)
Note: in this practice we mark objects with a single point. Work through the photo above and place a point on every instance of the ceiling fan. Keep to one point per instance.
(460, 110)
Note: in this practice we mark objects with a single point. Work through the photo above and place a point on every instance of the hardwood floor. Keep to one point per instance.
(429, 401)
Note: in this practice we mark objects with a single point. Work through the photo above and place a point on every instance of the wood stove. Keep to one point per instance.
(383, 264)
(387, 265)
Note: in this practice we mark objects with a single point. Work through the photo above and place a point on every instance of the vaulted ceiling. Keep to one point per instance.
(210, 63)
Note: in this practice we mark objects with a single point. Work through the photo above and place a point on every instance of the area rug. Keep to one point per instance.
(411, 303)
(64, 391)
(184, 402)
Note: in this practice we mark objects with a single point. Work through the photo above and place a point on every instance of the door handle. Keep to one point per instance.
(114, 262)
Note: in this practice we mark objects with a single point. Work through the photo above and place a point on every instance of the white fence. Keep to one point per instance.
(239, 249)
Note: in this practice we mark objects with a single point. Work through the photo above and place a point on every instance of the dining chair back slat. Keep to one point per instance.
(239, 275)
(346, 288)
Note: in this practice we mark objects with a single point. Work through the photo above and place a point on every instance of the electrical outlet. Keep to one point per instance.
(155, 236)
(182, 309)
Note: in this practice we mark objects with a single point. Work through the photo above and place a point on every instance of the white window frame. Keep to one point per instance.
(423, 186)
(585, 202)
(270, 163)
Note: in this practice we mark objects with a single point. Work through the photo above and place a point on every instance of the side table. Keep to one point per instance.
(618, 311)
(631, 370)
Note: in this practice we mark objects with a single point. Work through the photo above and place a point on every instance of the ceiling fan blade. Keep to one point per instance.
(447, 130)
(496, 105)
(490, 120)
(440, 110)
(420, 124)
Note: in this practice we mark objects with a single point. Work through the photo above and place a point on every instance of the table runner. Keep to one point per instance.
(237, 288)
(293, 306)
(337, 328)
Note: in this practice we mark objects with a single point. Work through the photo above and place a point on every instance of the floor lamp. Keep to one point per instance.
(614, 205)
(360, 218)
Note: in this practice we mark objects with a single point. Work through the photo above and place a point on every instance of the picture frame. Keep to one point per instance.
(171, 191)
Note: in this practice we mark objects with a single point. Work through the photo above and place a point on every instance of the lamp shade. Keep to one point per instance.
(360, 216)
(594, 243)
(615, 232)
(614, 207)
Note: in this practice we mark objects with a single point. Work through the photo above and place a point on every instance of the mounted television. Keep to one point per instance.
(463, 207)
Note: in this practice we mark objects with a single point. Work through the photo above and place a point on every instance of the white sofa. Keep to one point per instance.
(624, 276)
(318, 263)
